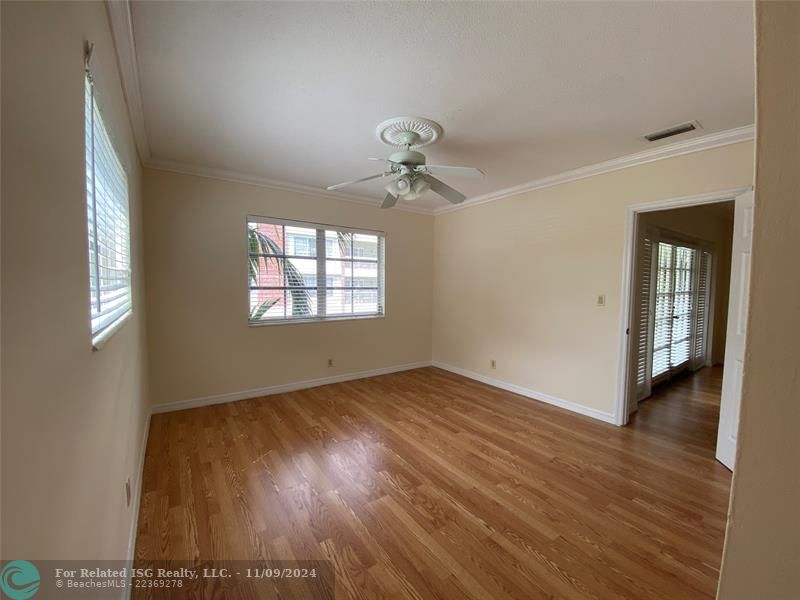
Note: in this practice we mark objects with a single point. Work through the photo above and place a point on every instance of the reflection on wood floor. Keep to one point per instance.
(425, 485)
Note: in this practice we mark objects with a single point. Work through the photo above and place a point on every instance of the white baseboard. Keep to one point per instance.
(136, 497)
(301, 385)
(282, 388)
(541, 397)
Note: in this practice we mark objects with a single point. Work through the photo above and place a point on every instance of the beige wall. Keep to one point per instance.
(73, 420)
(762, 549)
(516, 279)
(199, 340)
(711, 223)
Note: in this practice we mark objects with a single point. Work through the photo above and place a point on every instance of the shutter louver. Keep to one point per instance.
(700, 346)
(642, 324)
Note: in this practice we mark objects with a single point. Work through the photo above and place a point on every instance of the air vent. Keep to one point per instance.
(676, 130)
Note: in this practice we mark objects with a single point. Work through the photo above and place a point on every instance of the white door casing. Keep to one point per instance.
(630, 309)
(738, 305)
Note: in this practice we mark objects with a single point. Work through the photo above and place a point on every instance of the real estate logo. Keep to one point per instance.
(19, 580)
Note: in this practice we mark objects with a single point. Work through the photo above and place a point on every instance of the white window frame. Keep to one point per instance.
(100, 335)
(322, 279)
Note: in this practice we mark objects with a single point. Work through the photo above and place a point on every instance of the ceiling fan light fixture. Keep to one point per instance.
(419, 185)
(400, 186)
(411, 174)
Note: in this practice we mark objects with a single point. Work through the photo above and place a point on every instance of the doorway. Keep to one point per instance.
(680, 259)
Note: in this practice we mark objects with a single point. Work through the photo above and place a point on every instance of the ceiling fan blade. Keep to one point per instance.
(446, 171)
(341, 185)
(389, 201)
(444, 190)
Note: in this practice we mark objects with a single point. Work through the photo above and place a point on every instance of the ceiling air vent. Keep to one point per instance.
(669, 132)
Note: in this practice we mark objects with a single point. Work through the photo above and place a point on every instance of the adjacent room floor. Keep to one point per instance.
(427, 485)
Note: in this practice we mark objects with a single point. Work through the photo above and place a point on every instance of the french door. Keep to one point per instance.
(675, 304)
(674, 290)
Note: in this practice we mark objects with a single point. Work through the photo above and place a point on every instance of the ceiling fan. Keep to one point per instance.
(412, 176)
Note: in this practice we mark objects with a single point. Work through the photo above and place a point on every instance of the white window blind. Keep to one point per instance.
(301, 271)
(108, 225)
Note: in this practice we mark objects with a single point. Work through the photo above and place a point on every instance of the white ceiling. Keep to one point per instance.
(293, 91)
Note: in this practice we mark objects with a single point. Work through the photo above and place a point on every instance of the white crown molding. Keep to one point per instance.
(697, 144)
(119, 15)
(528, 393)
(274, 184)
(122, 29)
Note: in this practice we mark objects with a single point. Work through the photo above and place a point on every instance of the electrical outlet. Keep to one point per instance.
(493, 363)
(128, 491)
(330, 362)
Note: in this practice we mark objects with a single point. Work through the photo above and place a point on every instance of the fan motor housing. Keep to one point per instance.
(408, 157)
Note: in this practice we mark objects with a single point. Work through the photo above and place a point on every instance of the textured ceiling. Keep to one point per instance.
(292, 91)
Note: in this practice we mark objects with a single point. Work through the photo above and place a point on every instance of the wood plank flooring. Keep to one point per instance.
(426, 485)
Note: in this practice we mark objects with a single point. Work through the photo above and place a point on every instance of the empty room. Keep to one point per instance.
(400, 300)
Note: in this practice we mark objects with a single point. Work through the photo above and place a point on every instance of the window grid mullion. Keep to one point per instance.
(381, 260)
(283, 271)
(322, 288)
(352, 277)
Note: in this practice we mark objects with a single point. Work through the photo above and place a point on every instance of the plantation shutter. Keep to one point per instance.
(701, 333)
(642, 324)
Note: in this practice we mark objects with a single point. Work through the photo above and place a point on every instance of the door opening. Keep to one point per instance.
(684, 266)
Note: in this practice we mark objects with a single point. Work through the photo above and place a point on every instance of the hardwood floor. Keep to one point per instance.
(426, 485)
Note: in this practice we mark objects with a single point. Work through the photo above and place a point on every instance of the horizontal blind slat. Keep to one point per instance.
(109, 223)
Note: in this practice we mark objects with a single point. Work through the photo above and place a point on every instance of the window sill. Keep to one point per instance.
(315, 320)
(102, 338)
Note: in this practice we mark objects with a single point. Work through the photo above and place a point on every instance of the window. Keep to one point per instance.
(108, 226)
(674, 281)
(674, 307)
(308, 272)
